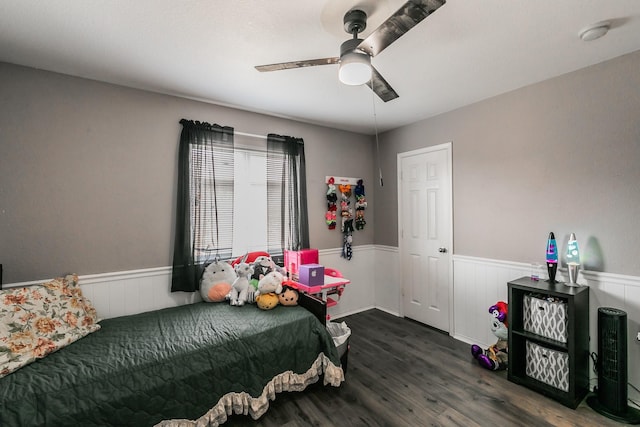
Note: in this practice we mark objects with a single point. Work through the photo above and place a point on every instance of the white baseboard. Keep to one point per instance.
(386, 310)
(350, 313)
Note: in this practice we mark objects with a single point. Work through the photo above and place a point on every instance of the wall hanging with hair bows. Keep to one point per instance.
(346, 187)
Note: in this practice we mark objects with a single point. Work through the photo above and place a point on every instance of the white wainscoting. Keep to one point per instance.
(359, 295)
(131, 292)
(479, 283)
(387, 279)
(122, 293)
(374, 272)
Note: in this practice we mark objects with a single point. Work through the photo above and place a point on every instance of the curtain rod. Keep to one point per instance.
(253, 135)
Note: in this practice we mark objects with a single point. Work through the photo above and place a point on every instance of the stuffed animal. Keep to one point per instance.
(289, 296)
(495, 357)
(267, 301)
(271, 283)
(240, 288)
(216, 281)
(262, 266)
(361, 203)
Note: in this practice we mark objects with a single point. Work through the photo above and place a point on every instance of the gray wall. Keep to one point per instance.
(88, 173)
(88, 170)
(562, 155)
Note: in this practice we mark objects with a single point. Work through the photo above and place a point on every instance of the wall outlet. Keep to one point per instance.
(638, 337)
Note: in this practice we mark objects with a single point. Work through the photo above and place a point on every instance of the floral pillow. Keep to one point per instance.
(40, 319)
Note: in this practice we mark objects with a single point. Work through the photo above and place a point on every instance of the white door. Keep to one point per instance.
(425, 234)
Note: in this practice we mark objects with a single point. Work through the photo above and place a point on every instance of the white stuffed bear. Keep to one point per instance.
(271, 282)
(216, 281)
(240, 287)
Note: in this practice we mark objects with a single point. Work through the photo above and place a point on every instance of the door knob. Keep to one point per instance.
(442, 250)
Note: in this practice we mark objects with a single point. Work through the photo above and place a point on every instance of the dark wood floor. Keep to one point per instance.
(402, 373)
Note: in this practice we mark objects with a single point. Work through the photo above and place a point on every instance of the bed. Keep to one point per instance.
(189, 365)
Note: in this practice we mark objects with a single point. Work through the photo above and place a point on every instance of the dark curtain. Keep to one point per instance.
(202, 147)
(287, 210)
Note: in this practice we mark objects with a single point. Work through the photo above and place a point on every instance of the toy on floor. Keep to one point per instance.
(495, 357)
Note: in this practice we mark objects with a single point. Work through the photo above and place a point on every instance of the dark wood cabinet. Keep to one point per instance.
(528, 348)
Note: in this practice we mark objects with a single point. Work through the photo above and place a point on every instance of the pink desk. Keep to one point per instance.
(332, 286)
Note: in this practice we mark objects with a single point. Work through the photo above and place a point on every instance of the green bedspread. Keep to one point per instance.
(175, 363)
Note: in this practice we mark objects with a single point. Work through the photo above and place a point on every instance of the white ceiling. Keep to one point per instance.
(468, 50)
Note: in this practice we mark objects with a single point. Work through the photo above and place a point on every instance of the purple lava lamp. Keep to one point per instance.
(552, 257)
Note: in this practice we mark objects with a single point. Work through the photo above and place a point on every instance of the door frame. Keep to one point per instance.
(447, 146)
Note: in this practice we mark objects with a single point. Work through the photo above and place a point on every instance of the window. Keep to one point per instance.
(211, 211)
(246, 220)
(235, 198)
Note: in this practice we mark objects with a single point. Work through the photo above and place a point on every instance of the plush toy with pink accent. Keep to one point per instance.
(495, 357)
(216, 281)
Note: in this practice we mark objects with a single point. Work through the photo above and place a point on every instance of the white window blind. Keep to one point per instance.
(212, 212)
(276, 178)
(246, 220)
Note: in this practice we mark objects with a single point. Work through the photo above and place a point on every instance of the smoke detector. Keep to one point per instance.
(594, 32)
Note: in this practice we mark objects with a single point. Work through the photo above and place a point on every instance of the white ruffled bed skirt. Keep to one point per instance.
(243, 403)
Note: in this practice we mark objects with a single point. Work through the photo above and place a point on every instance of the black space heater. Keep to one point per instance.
(610, 399)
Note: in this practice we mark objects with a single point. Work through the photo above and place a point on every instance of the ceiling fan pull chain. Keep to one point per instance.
(375, 126)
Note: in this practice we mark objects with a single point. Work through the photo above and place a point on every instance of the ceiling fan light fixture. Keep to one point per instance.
(355, 68)
(355, 54)
(355, 65)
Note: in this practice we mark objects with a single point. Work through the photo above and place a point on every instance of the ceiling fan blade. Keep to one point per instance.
(380, 86)
(405, 18)
(297, 64)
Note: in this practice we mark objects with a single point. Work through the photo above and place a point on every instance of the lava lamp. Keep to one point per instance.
(573, 260)
(552, 257)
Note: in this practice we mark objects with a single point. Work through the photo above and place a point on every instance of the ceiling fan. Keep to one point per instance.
(355, 54)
